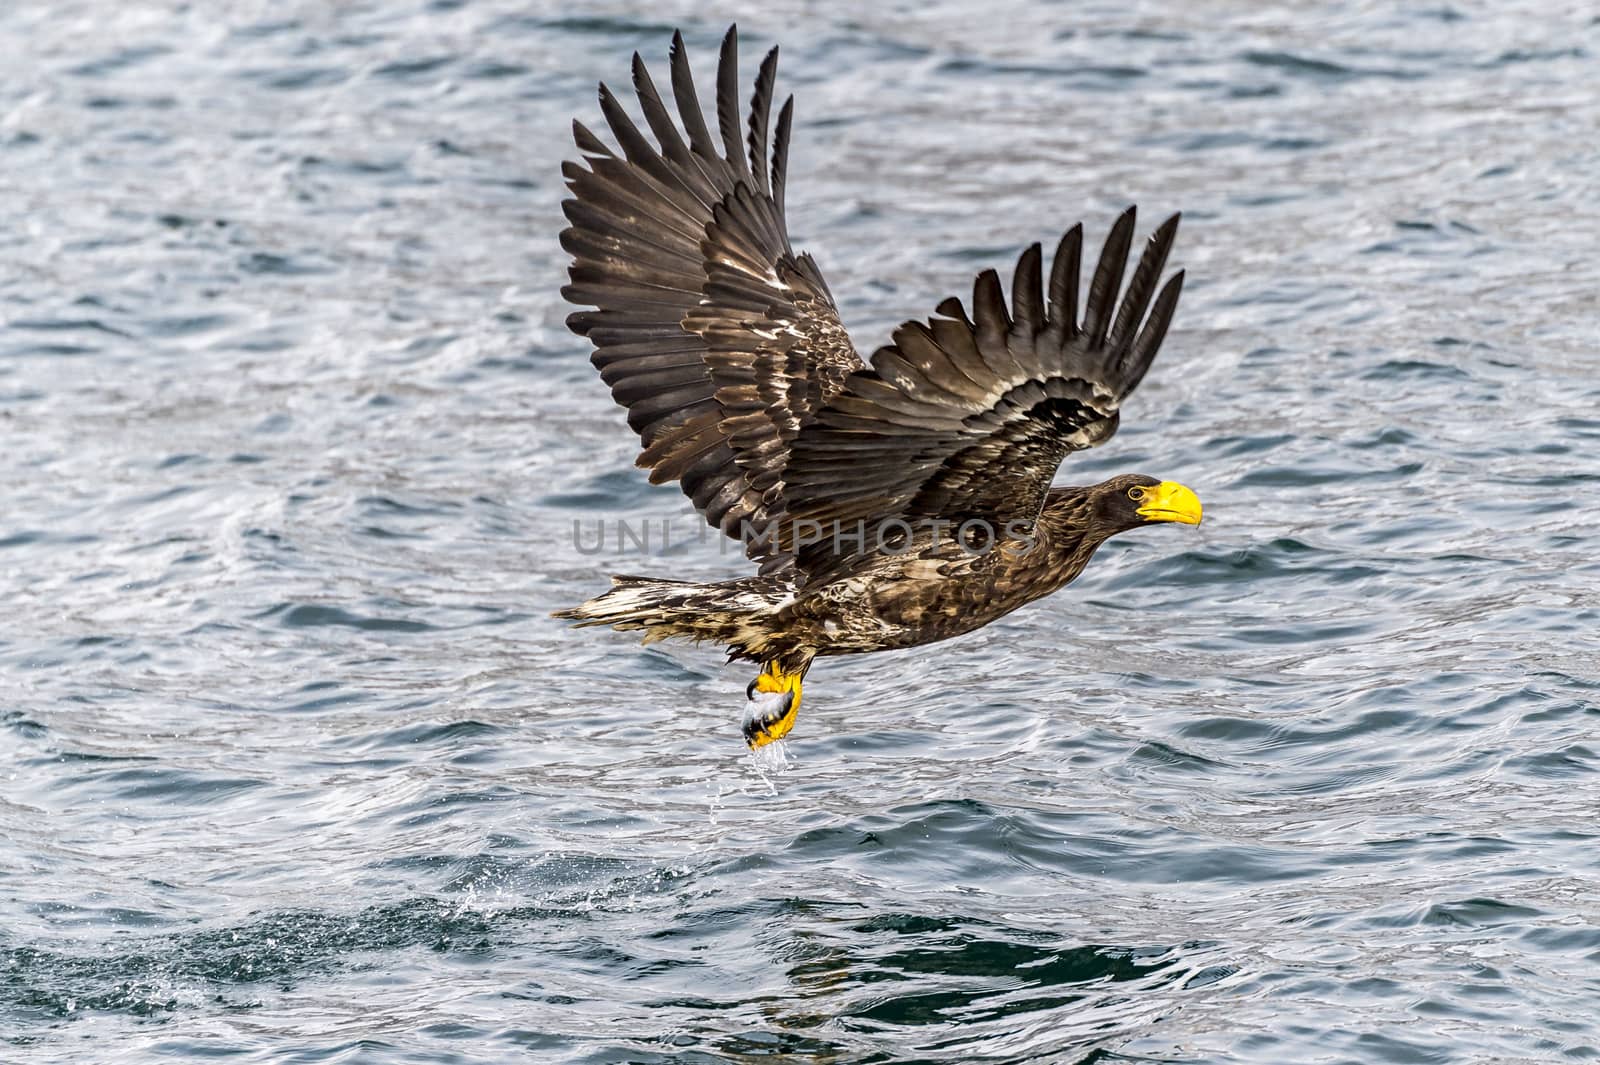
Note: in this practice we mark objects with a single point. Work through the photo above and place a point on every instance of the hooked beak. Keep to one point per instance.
(1170, 501)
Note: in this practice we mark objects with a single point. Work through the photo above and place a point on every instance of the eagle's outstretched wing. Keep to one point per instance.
(965, 418)
(719, 340)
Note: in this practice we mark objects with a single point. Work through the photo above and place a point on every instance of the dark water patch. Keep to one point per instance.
(1281, 558)
(17, 722)
(1323, 70)
(420, 347)
(1478, 913)
(168, 787)
(599, 25)
(56, 325)
(69, 757)
(319, 701)
(164, 974)
(295, 78)
(179, 326)
(614, 489)
(1083, 74)
(308, 615)
(394, 169)
(268, 27)
(1411, 369)
(1073, 974)
(51, 350)
(416, 508)
(403, 69)
(1539, 55)
(1304, 475)
(1388, 436)
(425, 733)
(439, 808)
(1223, 140)
(1576, 938)
(175, 220)
(1169, 758)
(158, 497)
(1140, 34)
(1577, 761)
(120, 60)
(118, 102)
(1248, 92)
(33, 537)
(495, 70)
(377, 532)
(272, 263)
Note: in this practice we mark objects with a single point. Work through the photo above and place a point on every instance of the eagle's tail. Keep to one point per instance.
(736, 613)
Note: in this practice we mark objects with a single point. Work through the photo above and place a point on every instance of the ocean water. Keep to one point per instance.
(295, 767)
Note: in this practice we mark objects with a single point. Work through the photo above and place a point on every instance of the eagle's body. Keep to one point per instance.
(936, 589)
(887, 505)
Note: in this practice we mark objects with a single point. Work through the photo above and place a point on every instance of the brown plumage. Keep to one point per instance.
(887, 505)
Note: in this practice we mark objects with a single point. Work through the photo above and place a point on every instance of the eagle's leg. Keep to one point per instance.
(774, 704)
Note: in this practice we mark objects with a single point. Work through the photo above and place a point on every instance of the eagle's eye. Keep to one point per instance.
(1136, 493)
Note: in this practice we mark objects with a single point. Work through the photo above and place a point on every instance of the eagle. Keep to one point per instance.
(887, 502)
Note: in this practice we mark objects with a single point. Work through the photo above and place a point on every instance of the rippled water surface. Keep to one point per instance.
(294, 767)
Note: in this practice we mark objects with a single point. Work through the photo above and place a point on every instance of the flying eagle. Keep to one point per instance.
(889, 503)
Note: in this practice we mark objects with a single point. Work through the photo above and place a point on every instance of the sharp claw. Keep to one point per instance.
(774, 702)
(771, 721)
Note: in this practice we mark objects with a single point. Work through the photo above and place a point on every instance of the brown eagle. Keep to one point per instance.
(889, 503)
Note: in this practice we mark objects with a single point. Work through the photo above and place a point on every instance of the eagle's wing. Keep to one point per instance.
(965, 418)
(719, 340)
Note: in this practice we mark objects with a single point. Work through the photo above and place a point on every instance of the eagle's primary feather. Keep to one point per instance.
(720, 340)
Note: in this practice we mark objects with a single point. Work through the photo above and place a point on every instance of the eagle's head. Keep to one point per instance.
(1132, 500)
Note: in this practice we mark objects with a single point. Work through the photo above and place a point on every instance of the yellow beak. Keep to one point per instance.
(1170, 501)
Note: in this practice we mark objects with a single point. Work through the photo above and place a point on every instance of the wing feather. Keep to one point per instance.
(1064, 286)
(728, 103)
(666, 131)
(716, 336)
(1107, 280)
(1027, 300)
(1142, 286)
(780, 154)
(760, 115)
(688, 101)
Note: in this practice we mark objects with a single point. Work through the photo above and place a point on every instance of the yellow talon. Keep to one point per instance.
(768, 723)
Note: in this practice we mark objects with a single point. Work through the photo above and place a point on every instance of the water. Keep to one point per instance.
(295, 768)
